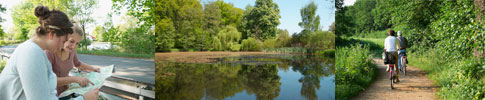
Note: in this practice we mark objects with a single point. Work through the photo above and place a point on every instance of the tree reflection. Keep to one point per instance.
(191, 81)
(312, 71)
(261, 80)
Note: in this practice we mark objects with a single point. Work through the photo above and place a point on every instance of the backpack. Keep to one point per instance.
(403, 42)
(387, 58)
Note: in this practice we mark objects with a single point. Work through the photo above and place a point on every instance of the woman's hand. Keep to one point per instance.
(82, 81)
(96, 70)
(92, 95)
(90, 68)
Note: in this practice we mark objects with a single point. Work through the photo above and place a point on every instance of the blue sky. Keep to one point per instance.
(290, 12)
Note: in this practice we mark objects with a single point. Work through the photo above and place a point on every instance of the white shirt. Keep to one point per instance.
(390, 44)
(28, 75)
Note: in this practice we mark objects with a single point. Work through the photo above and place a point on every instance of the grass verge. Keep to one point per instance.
(115, 53)
(459, 79)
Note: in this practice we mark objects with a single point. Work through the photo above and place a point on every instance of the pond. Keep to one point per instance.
(248, 77)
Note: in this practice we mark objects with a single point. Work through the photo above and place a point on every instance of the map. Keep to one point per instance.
(95, 77)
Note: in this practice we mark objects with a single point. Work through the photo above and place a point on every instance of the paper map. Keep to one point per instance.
(95, 77)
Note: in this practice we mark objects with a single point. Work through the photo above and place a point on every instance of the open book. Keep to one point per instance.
(95, 77)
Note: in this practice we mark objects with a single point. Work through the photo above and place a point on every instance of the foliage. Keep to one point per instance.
(309, 22)
(327, 52)
(321, 40)
(81, 10)
(140, 37)
(188, 25)
(283, 39)
(458, 78)
(354, 70)
(2, 65)
(164, 39)
(229, 36)
(343, 23)
(260, 21)
(270, 43)
(251, 44)
(360, 14)
(2, 10)
(98, 33)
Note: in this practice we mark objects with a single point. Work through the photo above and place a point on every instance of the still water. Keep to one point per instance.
(248, 77)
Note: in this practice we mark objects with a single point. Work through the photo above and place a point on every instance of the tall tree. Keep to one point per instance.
(212, 17)
(364, 20)
(310, 22)
(260, 21)
(343, 23)
(82, 10)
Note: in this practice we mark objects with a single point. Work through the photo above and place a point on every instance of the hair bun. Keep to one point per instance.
(42, 12)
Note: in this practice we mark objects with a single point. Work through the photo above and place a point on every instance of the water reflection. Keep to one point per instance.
(258, 76)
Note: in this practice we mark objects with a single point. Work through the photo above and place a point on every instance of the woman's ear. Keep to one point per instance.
(51, 35)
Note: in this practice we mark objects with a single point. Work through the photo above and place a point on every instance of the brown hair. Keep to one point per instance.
(391, 32)
(52, 20)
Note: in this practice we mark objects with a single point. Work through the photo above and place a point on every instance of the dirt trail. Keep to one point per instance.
(414, 86)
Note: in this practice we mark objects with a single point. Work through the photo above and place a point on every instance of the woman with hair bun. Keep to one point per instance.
(28, 73)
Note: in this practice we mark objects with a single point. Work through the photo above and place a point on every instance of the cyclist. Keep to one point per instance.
(403, 43)
(390, 46)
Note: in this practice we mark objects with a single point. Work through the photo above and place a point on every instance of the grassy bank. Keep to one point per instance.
(459, 79)
(115, 53)
(354, 70)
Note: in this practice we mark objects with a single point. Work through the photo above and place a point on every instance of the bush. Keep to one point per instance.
(216, 44)
(234, 46)
(251, 44)
(270, 43)
(320, 40)
(354, 70)
(328, 52)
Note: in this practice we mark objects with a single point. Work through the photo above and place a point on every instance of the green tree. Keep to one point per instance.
(310, 22)
(229, 37)
(363, 19)
(261, 21)
(284, 38)
(321, 40)
(98, 32)
(165, 40)
(81, 10)
(343, 23)
(212, 17)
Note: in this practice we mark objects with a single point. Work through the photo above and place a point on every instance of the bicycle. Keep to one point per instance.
(403, 62)
(388, 60)
(392, 76)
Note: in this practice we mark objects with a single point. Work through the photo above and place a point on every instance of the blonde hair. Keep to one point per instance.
(76, 27)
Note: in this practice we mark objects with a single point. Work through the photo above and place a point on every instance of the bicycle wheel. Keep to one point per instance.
(403, 65)
(392, 80)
